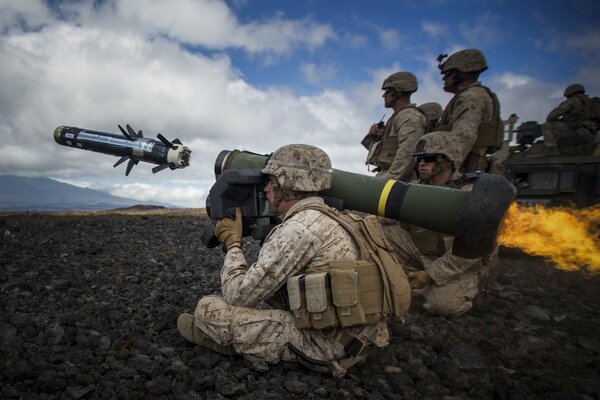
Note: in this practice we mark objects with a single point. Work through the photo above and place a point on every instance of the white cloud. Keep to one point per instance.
(390, 39)
(514, 81)
(315, 74)
(434, 29)
(18, 15)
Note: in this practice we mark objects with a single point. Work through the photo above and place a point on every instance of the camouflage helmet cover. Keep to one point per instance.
(439, 142)
(573, 89)
(300, 167)
(469, 60)
(432, 110)
(401, 81)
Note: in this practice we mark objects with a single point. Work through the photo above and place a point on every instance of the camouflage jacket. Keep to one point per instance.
(304, 239)
(465, 113)
(394, 150)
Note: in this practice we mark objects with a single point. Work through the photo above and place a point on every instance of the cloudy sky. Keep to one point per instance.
(258, 74)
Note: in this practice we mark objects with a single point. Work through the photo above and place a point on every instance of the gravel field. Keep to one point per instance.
(90, 302)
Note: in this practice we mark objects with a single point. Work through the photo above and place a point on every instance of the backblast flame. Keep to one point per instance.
(568, 237)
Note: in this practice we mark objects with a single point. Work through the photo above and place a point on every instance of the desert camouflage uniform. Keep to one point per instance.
(566, 127)
(455, 279)
(241, 317)
(462, 116)
(400, 135)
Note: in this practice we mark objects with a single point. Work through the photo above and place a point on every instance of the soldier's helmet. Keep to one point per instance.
(438, 142)
(401, 81)
(469, 60)
(574, 89)
(432, 110)
(300, 167)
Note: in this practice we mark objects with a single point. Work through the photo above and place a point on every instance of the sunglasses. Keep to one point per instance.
(427, 158)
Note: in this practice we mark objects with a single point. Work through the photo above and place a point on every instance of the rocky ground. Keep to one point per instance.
(89, 307)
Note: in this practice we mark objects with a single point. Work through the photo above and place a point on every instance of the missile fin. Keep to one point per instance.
(160, 167)
(121, 161)
(140, 133)
(131, 131)
(165, 141)
(124, 132)
(177, 141)
(130, 165)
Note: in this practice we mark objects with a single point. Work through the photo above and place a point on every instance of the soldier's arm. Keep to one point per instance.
(374, 135)
(559, 111)
(409, 131)
(289, 247)
(469, 110)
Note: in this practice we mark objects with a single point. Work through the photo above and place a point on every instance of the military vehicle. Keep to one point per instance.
(572, 180)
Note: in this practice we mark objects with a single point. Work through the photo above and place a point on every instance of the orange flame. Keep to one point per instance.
(568, 237)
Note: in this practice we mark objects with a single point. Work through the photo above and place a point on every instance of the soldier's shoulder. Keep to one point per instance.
(412, 112)
(476, 91)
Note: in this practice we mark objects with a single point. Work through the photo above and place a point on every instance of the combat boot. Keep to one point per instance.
(187, 328)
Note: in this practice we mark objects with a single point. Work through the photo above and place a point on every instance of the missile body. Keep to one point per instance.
(474, 217)
(130, 146)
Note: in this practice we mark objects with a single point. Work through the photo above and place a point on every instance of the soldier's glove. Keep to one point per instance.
(229, 231)
(419, 279)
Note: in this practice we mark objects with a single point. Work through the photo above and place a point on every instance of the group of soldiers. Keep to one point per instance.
(325, 282)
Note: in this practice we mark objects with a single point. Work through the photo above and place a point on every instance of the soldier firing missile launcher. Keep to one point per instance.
(474, 217)
(130, 146)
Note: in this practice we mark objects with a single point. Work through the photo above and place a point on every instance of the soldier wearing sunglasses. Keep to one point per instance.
(448, 283)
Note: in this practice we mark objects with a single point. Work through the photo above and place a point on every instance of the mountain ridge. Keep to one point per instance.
(21, 194)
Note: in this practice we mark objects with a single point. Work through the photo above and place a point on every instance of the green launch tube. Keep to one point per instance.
(474, 217)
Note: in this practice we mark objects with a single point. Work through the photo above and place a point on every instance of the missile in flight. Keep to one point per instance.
(131, 146)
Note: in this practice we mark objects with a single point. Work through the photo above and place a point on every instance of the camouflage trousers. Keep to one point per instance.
(453, 298)
(450, 299)
(572, 141)
(266, 333)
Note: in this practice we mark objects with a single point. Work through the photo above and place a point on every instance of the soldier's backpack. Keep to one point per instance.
(351, 293)
(594, 108)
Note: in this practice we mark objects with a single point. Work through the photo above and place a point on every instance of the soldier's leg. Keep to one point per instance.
(452, 299)
(554, 132)
(268, 333)
(263, 333)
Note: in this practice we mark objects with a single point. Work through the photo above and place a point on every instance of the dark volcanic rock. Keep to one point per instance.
(90, 303)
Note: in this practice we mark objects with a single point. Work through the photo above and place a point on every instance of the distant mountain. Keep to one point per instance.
(44, 194)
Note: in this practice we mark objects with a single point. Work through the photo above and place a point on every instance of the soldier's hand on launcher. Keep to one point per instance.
(229, 231)
(419, 279)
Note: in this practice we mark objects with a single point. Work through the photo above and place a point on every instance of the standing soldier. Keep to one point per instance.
(280, 307)
(571, 127)
(448, 283)
(473, 114)
(433, 111)
(390, 145)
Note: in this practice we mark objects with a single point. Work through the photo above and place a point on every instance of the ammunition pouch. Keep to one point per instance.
(338, 294)
(490, 135)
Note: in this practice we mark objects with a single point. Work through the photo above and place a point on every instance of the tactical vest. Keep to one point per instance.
(490, 134)
(350, 293)
(383, 152)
